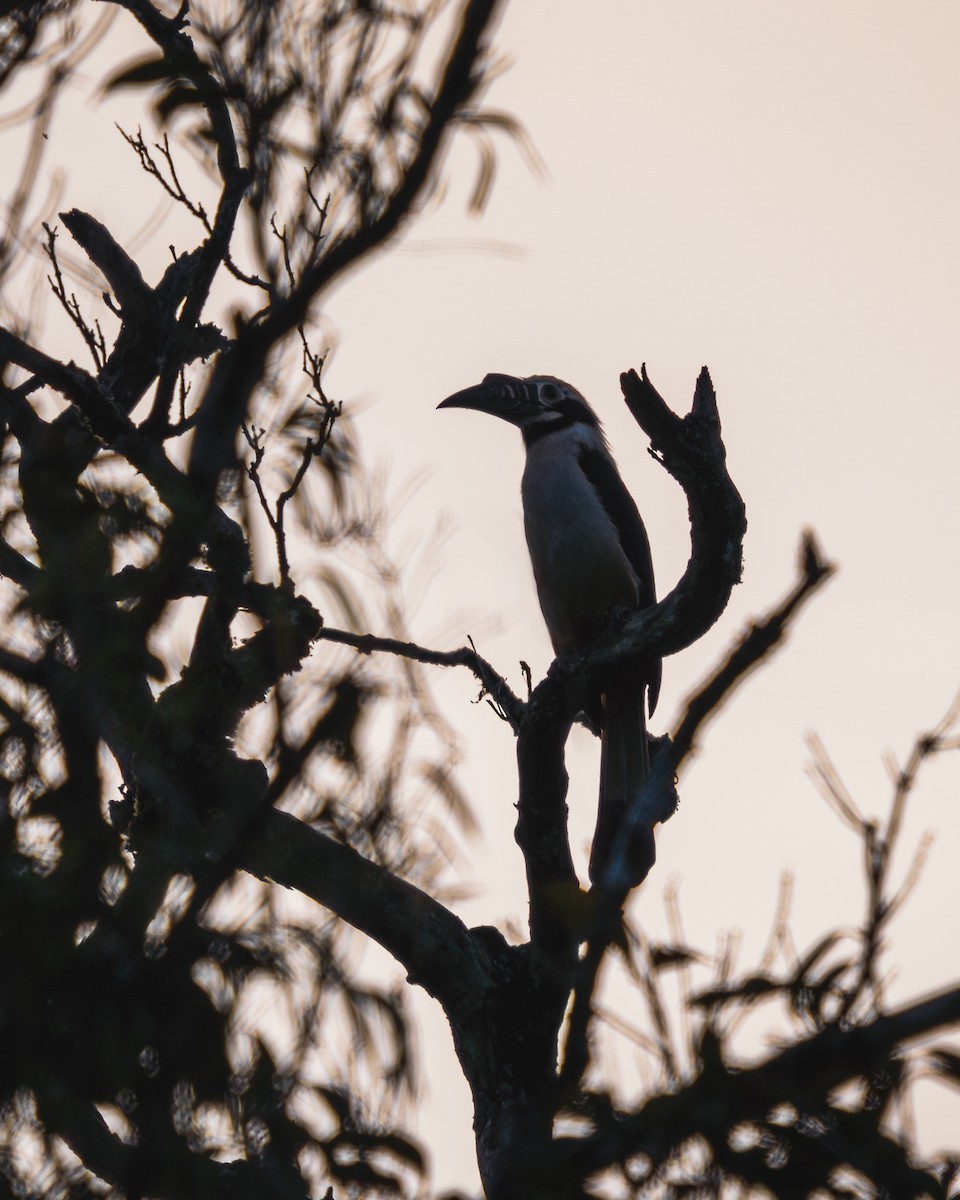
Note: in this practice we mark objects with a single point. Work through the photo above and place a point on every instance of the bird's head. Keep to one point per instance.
(535, 405)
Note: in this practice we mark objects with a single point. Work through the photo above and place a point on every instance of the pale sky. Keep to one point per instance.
(772, 190)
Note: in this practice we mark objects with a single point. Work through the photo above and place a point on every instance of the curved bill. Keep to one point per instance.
(499, 395)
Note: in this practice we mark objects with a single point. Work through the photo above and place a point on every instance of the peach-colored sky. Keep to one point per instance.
(772, 190)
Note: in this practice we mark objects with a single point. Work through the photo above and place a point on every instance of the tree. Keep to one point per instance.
(133, 948)
(164, 803)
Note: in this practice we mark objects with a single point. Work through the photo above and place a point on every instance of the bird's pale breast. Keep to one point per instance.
(581, 571)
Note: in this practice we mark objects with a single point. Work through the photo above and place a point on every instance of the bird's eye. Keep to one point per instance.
(549, 392)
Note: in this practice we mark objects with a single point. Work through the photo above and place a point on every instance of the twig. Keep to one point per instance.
(71, 306)
(311, 448)
(511, 705)
(174, 188)
(760, 640)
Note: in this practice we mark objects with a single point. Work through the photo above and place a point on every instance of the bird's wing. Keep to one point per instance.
(622, 511)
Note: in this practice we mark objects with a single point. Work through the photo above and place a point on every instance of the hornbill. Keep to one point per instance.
(590, 556)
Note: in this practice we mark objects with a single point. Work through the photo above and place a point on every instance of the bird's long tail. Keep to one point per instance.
(624, 768)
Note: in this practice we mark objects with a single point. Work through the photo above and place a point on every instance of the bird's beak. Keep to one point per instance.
(499, 395)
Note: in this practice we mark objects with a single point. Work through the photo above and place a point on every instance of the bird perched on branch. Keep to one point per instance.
(590, 556)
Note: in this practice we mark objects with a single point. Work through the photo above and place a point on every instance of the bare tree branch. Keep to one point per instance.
(760, 640)
(437, 950)
(494, 684)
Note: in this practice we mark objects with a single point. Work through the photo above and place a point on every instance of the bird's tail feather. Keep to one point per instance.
(624, 768)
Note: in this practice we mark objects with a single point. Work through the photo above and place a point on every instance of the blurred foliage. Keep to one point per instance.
(170, 1025)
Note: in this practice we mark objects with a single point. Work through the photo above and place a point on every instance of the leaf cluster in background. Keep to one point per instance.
(171, 1025)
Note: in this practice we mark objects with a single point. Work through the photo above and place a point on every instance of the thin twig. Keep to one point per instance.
(94, 338)
(328, 414)
(497, 687)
